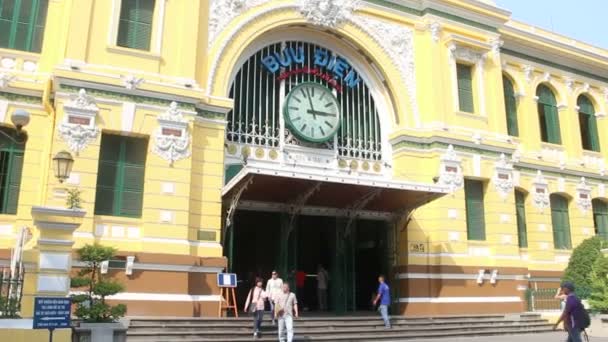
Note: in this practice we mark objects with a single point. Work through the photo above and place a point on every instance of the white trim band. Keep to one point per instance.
(457, 276)
(162, 297)
(460, 300)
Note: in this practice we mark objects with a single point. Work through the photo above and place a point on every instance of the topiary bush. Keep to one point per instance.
(91, 305)
(580, 266)
(598, 298)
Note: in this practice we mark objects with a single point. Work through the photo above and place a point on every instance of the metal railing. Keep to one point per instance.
(542, 300)
(11, 290)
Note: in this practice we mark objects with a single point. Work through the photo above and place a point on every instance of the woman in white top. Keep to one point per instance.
(274, 287)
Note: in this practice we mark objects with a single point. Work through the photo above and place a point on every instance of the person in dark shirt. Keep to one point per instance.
(572, 314)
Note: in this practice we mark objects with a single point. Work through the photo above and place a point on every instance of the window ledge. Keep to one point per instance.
(474, 116)
(116, 219)
(133, 52)
(552, 146)
(594, 154)
(4, 52)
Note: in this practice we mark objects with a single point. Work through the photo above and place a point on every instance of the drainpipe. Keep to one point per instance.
(48, 107)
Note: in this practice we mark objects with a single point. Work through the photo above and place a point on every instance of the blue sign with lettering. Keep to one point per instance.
(226, 280)
(52, 312)
(337, 68)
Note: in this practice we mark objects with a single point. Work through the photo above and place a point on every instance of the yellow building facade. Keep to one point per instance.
(466, 160)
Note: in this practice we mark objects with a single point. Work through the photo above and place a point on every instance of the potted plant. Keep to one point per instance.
(73, 200)
(96, 314)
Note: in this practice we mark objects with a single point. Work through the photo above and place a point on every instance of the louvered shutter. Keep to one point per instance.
(510, 107)
(588, 124)
(561, 222)
(547, 110)
(520, 210)
(600, 218)
(135, 28)
(14, 182)
(107, 175)
(475, 210)
(22, 24)
(131, 201)
(465, 88)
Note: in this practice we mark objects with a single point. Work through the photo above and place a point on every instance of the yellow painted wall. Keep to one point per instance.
(77, 51)
(62, 335)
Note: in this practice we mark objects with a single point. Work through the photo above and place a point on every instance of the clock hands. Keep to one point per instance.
(312, 107)
(316, 112)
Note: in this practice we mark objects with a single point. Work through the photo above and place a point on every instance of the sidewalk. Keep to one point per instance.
(545, 337)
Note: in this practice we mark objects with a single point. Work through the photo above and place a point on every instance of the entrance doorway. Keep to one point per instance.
(353, 259)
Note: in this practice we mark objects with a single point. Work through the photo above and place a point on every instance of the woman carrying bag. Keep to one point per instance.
(255, 305)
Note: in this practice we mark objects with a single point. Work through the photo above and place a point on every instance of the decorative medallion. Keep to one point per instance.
(273, 154)
(450, 170)
(259, 153)
(342, 163)
(583, 196)
(377, 167)
(246, 151)
(172, 139)
(354, 165)
(131, 82)
(78, 127)
(231, 149)
(5, 79)
(365, 166)
(328, 13)
(503, 177)
(221, 12)
(540, 192)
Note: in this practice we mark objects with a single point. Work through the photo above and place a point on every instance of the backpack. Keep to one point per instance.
(585, 320)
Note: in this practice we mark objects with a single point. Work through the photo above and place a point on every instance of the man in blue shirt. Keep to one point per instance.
(384, 297)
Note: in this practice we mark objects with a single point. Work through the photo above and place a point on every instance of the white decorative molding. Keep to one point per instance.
(569, 81)
(459, 53)
(397, 42)
(328, 13)
(172, 139)
(528, 73)
(503, 177)
(5, 79)
(78, 127)
(540, 192)
(465, 54)
(547, 76)
(131, 82)
(221, 12)
(128, 116)
(583, 196)
(496, 44)
(477, 138)
(450, 170)
(435, 29)
(601, 190)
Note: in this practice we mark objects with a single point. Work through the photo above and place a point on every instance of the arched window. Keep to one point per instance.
(560, 220)
(587, 124)
(520, 211)
(11, 165)
(600, 218)
(510, 106)
(547, 115)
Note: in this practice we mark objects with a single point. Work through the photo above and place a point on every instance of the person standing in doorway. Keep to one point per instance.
(322, 280)
(384, 297)
(300, 283)
(255, 304)
(573, 315)
(286, 309)
(274, 287)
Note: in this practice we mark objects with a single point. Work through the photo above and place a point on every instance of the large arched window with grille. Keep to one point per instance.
(548, 115)
(587, 124)
(259, 96)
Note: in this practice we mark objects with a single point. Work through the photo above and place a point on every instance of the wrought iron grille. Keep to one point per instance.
(11, 290)
(258, 97)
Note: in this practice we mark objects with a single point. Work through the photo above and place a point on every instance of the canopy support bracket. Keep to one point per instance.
(234, 202)
(295, 208)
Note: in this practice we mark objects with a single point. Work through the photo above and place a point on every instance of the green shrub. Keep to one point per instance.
(91, 305)
(599, 286)
(580, 266)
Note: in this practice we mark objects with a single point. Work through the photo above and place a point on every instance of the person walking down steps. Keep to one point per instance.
(286, 309)
(274, 287)
(384, 297)
(255, 304)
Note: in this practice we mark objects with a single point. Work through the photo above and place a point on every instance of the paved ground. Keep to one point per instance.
(547, 337)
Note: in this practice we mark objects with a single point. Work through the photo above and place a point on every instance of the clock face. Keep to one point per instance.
(312, 112)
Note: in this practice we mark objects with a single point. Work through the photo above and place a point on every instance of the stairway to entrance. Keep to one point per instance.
(352, 328)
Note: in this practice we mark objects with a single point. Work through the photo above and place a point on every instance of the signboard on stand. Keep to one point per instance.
(52, 313)
(227, 283)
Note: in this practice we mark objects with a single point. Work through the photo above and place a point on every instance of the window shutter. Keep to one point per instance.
(510, 107)
(520, 210)
(135, 28)
(22, 24)
(475, 210)
(133, 171)
(14, 182)
(600, 218)
(548, 114)
(588, 124)
(553, 129)
(465, 88)
(561, 222)
(107, 175)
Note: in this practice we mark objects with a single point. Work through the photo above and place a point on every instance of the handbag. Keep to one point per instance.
(278, 309)
(253, 306)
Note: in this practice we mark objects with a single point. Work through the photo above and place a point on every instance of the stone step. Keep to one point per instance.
(379, 335)
(372, 323)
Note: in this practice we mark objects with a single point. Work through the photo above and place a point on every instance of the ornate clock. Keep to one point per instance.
(312, 112)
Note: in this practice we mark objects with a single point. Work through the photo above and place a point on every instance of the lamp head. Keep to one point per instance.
(20, 118)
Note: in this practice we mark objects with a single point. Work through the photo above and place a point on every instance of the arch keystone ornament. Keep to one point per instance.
(540, 192)
(79, 128)
(503, 177)
(450, 170)
(328, 13)
(172, 139)
(583, 196)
